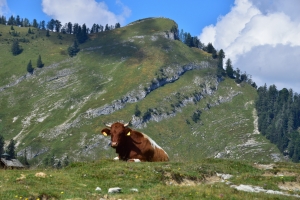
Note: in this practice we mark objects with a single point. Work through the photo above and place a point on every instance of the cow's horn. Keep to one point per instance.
(125, 125)
(108, 125)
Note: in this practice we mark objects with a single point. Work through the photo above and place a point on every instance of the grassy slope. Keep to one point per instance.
(41, 110)
(174, 180)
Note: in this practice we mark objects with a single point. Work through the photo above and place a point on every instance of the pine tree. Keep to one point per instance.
(74, 49)
(57, 25)
(229, 69)
(220, 69)
(11, 149)
(1, 145)
(237, 75)
(51, 25)
(15, 48)
(210, 48)
(39, 62)
(29, 67)
(70, 28)
(35, 24)
(118, 25)
(106, 27)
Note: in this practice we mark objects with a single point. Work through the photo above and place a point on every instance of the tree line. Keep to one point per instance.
(279, 118)
(193, 41)
(56, 25)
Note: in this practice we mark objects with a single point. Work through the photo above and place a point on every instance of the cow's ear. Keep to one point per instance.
(105, 132)
(128, 131)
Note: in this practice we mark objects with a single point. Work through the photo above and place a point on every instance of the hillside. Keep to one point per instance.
(61, 108)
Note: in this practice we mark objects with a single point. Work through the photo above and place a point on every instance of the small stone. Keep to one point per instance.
(114, 190)
(134, 190)
(98, 189)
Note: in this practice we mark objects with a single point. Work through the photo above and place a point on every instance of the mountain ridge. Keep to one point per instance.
(134, 68)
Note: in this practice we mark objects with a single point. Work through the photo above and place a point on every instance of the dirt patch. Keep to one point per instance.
(279, 174)
(213, 179)
(21, 178)
(290, 186)
(183, 181)
(180, 181)
(264, 167)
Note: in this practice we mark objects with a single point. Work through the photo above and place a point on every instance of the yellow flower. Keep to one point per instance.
(61, 192)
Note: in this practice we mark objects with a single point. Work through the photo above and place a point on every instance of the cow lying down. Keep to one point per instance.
(133, 146)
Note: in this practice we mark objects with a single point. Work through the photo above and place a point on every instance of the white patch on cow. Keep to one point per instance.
(116, 158)
(153, 143)
(136, 160)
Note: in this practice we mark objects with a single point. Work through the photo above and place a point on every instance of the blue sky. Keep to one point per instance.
(191, 16)
(261, 37)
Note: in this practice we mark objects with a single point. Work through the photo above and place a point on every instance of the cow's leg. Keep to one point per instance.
(134, 160)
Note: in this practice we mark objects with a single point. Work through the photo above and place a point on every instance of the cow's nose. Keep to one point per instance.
(114, 144)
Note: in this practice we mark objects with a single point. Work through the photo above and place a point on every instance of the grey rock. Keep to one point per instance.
(115, 190)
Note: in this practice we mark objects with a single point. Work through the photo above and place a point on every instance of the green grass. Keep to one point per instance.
(190, 180)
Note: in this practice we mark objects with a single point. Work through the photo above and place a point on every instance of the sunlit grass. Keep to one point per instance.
(152, 180)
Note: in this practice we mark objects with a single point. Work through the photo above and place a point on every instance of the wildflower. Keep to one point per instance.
(61, 192)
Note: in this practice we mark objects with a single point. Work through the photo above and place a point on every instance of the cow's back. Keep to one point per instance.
(159, 155)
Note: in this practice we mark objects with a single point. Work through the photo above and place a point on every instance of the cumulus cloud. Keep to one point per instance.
(262, 38)
(3, 7)
(84, 11)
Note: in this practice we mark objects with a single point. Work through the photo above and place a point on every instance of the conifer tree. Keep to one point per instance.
(220, 70)
(15, 48)
(118, 25)
(237, 74)
(11, 149)
(106, 27)
(70, 28)
(1, 145)
(35, 23)
(39, 62)
(74, 49)
(229, 69)
(29, 67)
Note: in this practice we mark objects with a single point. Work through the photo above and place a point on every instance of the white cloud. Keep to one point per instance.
(3, 7)
(262, 39)
(84, 11)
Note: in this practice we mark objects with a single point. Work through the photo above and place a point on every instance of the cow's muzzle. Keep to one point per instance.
(114, 144)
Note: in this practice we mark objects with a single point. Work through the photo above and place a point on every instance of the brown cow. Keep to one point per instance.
(132, 145)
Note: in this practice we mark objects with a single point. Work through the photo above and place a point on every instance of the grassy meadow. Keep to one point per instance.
(171, 180)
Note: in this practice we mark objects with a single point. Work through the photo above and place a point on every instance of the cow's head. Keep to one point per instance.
(118, 132)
